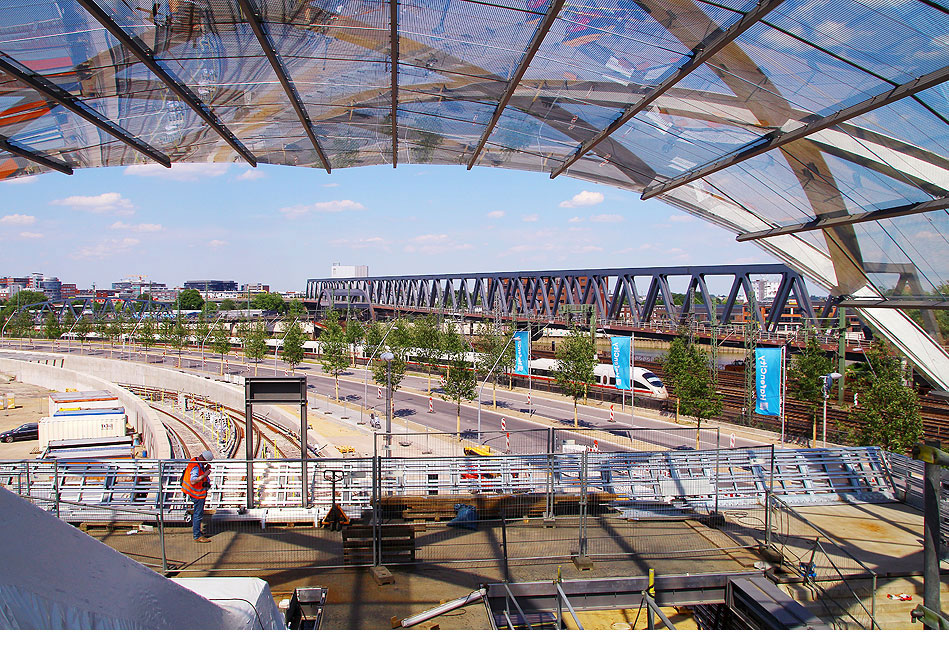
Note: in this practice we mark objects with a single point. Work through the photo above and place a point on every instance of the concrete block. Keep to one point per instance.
(381, 575)
(582, 563)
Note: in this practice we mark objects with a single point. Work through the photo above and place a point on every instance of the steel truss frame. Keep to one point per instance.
(102, 308)
(542, 294)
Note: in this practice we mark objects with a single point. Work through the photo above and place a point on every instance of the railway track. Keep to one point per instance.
(180, 421)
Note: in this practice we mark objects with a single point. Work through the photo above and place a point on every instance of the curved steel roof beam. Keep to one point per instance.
(35, 156)
(394, 56)
(701, 53)
(51, 91)
(267, 46)
(143, 54)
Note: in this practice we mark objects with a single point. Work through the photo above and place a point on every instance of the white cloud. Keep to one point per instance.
(214, 244)
(531, 218)
(681, 219)
(19, 219)
(607, 218)
(31, 236)
(293, 212)
(252, 175)
(432, 243)
(585, 198)
(179, 171)
(138, 228)
(495, 214)
(575, 220)
(331, 185)
(361, 243)
(109, 203)
(106, 249)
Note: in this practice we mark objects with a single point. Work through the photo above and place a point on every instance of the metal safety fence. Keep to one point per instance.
(446, 509)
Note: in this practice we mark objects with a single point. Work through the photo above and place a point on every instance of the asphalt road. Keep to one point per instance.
(415, 408)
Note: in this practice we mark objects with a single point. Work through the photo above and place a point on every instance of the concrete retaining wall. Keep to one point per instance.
(57, 378)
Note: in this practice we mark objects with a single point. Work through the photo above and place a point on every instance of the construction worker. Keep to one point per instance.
(195, 483)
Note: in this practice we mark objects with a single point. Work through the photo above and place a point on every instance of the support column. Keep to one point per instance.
(304, 453)
(249, 451)
(931, 480)
(841, 352)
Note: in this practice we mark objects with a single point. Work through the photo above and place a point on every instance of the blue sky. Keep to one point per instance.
(282, 225)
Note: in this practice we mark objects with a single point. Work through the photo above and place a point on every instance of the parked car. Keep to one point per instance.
(27, 432)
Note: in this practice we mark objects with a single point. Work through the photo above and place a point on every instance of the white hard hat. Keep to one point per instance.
(207, 455)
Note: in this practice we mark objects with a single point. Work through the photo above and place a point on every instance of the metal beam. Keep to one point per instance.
(699, 55)
(143, 54)
(394, 56)
(532, 48)
(34, 156)
(829, 221)
(53, 92)
(908, 303)
(267, 46)
(813, 124)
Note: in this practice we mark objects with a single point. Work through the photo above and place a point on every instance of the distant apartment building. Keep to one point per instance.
(50, 286)
(212, 285)
(255, 288)
(68, 290)
(135, 287)
(765, 290)
(349, 271)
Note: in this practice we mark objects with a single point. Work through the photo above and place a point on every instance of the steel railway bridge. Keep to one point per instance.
(613, 294)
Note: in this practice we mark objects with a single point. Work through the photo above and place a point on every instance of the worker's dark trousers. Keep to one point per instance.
(197, 517)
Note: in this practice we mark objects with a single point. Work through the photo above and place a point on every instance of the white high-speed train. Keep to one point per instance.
(645, 382)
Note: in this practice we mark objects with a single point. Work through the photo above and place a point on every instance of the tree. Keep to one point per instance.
(101, 327)
(189, 299)
(178, 338)
(675, 367)
(22, 324)
(459, 381)
(201, 329)
(576, 357)
(888, 412)
(52, 330)
(292, 351)
(373, 337)
(227, 304)
(333, 353)
(355, 332)
(115, 329)
(496, 353)
(146, 335)
(805, 378)
(697, 391)
(296, 308)
(221, 343)
(398, 367)
(82, 329)
(255, 344)
(22, 298)
(427, 340)
(270, 301)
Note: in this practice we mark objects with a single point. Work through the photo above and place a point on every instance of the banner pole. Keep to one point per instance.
(783, 386)
(632, 375)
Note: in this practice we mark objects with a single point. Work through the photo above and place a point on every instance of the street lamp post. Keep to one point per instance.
(365, 395)
(210, 330)
(828, 383)
(387, 357)
(496, 362)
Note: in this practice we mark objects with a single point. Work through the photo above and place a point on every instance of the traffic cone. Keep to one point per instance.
(431, 405)
(612, 419)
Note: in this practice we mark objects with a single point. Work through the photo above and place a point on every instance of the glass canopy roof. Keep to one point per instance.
(754, 115)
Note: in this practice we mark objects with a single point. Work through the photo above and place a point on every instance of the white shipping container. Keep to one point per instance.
(81, 427)
(71, 400)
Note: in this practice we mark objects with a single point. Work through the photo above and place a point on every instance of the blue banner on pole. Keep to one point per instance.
(619, 348)
(768, 381)
(522, 352)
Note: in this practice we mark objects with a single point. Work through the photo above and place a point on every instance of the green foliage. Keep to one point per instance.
(255, 344)
(296, 308)
(221, 343)
(21, 324)
(888, 414)
(333, 348)
(688, 375)
(805, 377)
(52, 330)
(458, 382)
(201, 329)
(269, 301)
(146, 334)
(178, 336)
(576, 357)
(398, 370)
(495, 349)
(82, 329)
(22, 297)
(189, 299)
(227, 304)
(373, 337)
(292, 350)
(427, 340)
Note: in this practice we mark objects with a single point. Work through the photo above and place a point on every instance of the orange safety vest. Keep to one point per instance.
(198, 491)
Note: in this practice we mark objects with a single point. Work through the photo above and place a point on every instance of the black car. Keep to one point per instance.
(25, 432)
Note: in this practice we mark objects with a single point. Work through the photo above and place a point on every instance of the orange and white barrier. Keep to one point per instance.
(596, 447)
(507, 443)
(612, 419)
(431, 405)
(503, 425)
